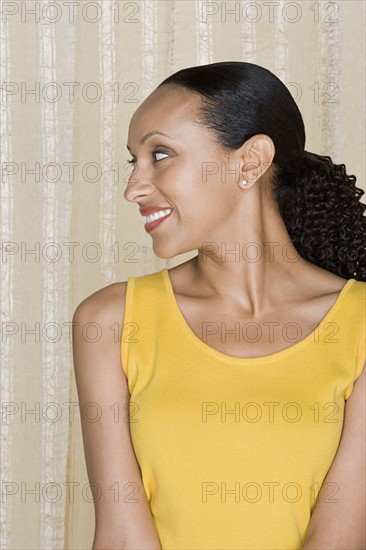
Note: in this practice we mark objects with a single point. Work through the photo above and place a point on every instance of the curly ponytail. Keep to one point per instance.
(319, 203)
(321, 208)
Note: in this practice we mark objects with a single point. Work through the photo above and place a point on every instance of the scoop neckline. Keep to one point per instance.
(248, 360)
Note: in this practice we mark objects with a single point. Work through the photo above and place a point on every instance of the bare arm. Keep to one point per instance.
(341, 525)
(120, 523)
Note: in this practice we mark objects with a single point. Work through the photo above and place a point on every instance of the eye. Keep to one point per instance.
(160, 153)
(133, 162)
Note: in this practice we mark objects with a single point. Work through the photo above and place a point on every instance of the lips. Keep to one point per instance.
(150, 226)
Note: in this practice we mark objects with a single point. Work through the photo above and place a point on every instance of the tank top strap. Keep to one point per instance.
(144, 324)
(349, 320)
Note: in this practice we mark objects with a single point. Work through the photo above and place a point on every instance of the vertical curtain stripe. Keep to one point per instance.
(204, 35)
(55, 369)
(48, 73)
(107, 48)
(66, 34)
(328, 79)
(248, 34)
(171, 24)
(148, 16)
(281, 61)
(6, 285)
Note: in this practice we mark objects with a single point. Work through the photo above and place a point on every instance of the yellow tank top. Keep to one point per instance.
(233, 451)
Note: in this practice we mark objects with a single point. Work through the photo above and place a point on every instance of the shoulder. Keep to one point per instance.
(359, 287)
(96, 332)
(106, 305)
(323, 288)
(356, 297)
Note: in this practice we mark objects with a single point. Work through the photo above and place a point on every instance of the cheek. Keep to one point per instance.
(178, 179)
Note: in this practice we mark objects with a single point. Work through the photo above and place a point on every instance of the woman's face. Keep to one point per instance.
(187, 171)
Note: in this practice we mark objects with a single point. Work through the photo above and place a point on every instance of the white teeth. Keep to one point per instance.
(158, 215)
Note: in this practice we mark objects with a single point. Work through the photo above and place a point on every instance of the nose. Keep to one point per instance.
(137, 187)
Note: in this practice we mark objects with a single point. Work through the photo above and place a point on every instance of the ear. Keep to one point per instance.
(256, 157)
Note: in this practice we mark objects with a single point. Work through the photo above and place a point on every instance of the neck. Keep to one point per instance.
(255, 269)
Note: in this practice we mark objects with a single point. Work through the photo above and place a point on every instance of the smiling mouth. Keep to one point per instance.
(157, 219)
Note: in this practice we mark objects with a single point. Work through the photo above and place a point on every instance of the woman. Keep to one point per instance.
(242, 368)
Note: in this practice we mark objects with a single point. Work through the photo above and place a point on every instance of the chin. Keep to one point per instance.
(164, 256)
(167, 252)
(163, 252)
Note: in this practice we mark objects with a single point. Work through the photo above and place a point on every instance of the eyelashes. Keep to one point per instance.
(133, 162)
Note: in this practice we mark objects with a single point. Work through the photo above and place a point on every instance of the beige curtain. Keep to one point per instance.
(72, 75)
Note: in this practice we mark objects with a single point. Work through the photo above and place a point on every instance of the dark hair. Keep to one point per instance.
(319, 203)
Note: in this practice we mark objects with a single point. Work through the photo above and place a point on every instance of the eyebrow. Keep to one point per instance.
(149, 134)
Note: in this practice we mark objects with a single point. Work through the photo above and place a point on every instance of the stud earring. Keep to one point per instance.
(243, 183)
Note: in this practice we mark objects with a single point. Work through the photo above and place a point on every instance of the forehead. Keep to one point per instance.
(166, 106)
